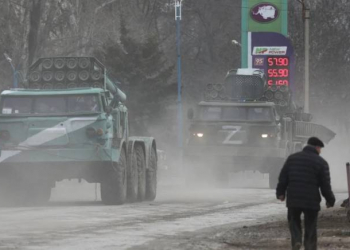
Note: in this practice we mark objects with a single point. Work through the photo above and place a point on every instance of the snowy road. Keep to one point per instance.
(66, 223)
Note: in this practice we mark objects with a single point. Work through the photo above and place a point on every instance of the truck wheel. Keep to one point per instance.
(132, 183)
(141, 167)
(151, 177)
(113, 187)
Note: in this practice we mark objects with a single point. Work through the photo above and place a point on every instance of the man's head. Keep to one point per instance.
(315, 142)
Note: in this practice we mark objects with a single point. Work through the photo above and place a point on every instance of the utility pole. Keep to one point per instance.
(306, 19)
(15, 83)
(178, 16)
(307, 59)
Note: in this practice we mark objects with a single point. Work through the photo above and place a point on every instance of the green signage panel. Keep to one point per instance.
(262, 16)
(267, 16)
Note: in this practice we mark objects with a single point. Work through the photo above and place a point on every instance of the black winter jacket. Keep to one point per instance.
(301, 177)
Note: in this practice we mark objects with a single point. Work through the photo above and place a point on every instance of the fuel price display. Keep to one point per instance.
(278, 70)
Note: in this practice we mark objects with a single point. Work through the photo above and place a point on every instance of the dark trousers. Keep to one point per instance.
(310, 224)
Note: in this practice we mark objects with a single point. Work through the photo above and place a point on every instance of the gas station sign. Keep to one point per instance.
(274, 54)
(278, 70)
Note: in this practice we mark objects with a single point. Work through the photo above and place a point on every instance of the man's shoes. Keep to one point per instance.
(297, 246)
(345, 203)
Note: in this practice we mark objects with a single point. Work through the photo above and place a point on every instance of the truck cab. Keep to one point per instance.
(236, 123)
(233, 137)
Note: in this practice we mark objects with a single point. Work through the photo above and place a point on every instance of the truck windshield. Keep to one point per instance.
(236, 114)
(39, 105)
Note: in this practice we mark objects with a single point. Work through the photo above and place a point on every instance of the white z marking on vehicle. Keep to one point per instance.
(232, 130)
(44, 136)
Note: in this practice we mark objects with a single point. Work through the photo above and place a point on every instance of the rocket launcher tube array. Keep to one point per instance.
(114, 90)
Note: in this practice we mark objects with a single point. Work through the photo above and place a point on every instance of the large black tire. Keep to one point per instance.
(114, 185)
(141, 167)
(151, 177)
(133, 183)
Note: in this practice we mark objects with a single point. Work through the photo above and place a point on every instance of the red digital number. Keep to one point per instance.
(278, 71)
(283, 61)
(278, 61)
(270, 61)
(283, 72)
(282, 83)
(273, 73)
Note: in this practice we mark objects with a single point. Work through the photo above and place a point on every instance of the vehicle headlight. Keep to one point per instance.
(200, 135)
(264, 135)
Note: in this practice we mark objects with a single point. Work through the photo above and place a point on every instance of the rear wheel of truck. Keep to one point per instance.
(151, 177)
(133, 183)
(113, 187)
(141, 167)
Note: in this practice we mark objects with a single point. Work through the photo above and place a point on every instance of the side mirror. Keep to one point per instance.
(190, 113)
(109, 110)
(114, 102)
(278, 119)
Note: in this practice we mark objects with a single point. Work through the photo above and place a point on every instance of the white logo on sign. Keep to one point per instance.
(275, 51)
(266, 12)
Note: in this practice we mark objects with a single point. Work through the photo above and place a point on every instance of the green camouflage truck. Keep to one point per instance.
(71, 122)
(244, 124)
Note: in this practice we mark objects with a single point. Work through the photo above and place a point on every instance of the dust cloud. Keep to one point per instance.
(337, 151)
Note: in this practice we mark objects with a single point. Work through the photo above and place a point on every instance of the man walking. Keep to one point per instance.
(301, 178)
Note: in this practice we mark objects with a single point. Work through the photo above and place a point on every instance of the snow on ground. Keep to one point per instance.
(87, 224)
(76, 219)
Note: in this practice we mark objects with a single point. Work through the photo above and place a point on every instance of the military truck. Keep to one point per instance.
(71, 122)
(245, 124)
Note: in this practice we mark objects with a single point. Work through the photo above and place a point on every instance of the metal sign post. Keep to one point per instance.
(348, 203)
(348, 176)
(307, 60)
(178, 16)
